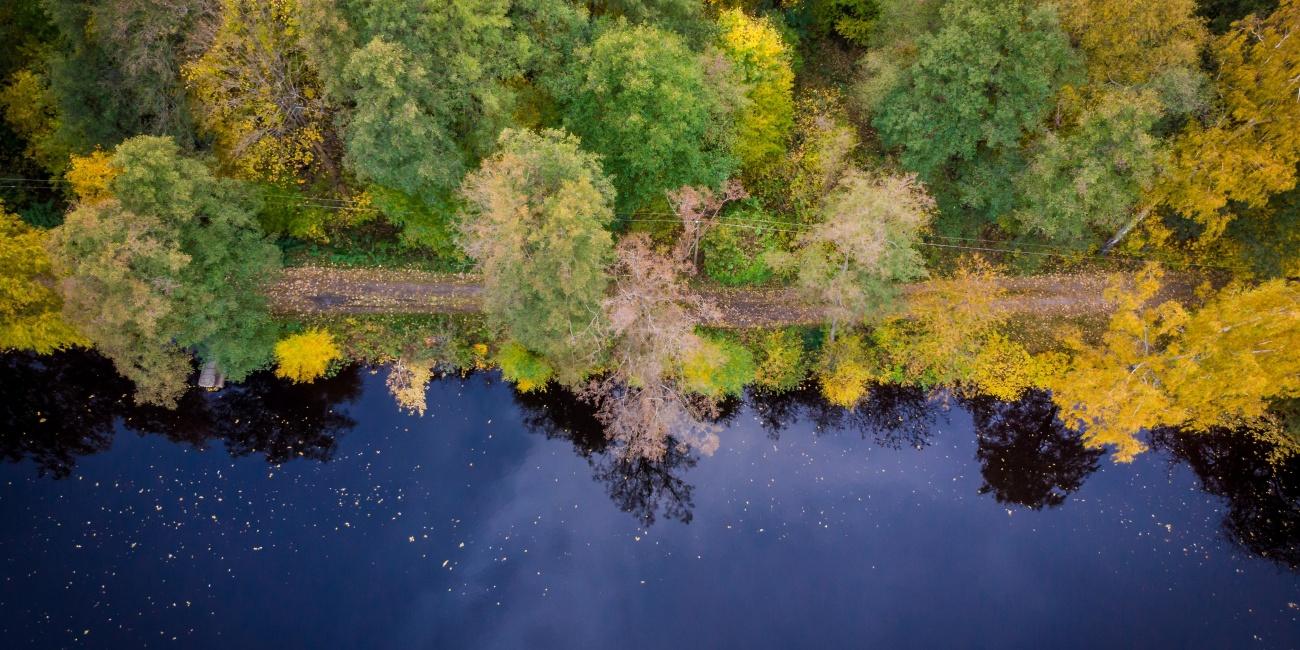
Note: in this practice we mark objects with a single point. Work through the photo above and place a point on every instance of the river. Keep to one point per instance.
(321, 516)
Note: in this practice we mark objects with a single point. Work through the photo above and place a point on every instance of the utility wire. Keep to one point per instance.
(763, 225)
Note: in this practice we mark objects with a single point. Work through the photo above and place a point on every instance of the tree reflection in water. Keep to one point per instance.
(57, 408)
(1027, 456)
(1263, 498)
(644, 489)
(893, 416)
(282, 421)
(61, 407)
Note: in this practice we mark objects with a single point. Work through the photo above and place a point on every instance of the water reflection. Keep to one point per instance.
(60, 407)
(644, 489)
(284, 421)
(1027, 456)
(892, 416)
(1263, 498)
(648, 490)
(57, 409)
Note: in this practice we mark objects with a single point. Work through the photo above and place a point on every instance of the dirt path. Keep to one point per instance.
(374, 291)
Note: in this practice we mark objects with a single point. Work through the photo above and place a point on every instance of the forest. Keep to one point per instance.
(603, 167)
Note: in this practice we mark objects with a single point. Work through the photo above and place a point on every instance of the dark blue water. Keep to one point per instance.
(270, 516)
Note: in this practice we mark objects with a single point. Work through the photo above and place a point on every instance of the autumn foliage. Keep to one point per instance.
(307, 356)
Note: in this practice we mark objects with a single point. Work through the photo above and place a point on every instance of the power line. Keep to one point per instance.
(1046, 250)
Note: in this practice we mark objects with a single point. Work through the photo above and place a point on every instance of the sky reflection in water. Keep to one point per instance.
(501, 521)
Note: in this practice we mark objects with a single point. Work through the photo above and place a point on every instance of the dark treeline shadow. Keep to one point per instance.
(891, 416)
(646, 490)
(55, 409)
(60, 407)
(1027, 456)
(1263, 497)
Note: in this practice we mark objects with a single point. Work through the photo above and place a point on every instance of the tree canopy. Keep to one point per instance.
(642, 100)
(173, 260)
(30, 308)
(979, 86)
(536, 223)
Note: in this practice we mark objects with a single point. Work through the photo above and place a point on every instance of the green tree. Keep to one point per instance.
(716, 368)
(682, 16)
(853, 20)
(450, 62)
(395, 138)
(172, 262)
(113, 72)
(431, 86)
(535, 222)
(978, 88)
(1086, 181)
(850, 263)
(641, 100)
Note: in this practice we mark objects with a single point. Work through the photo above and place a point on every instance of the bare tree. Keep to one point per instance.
(652, 316)
(698, 208)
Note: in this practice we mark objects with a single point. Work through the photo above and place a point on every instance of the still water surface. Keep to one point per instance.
(274, 516)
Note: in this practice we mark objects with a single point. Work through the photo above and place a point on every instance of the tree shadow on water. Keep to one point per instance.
(647, 490)
(1262, 494)
(60, 407)
(1027, 456)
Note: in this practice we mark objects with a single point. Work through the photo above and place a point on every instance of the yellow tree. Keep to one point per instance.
(1130, 42)
(1251, 151)
(1113, 390)
(1219, 366)
(946, 324)
(526, 369)
(408, 381)
(91, 176)
(950, 335)
(259, 95)
(847, 370)
(762, 60)
(1234, 354)
(305, 357)
(31, 110)
(30, 309)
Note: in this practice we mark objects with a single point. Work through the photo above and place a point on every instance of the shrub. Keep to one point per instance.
(1005, 370)
(847, 370)
(716, 368)
(734, 250)
(782, 364)
(528, 371)
(305, 357)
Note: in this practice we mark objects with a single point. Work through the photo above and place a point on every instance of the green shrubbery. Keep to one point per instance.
(718, 367)
(524, 368)
(733, 251)
(782, 362)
